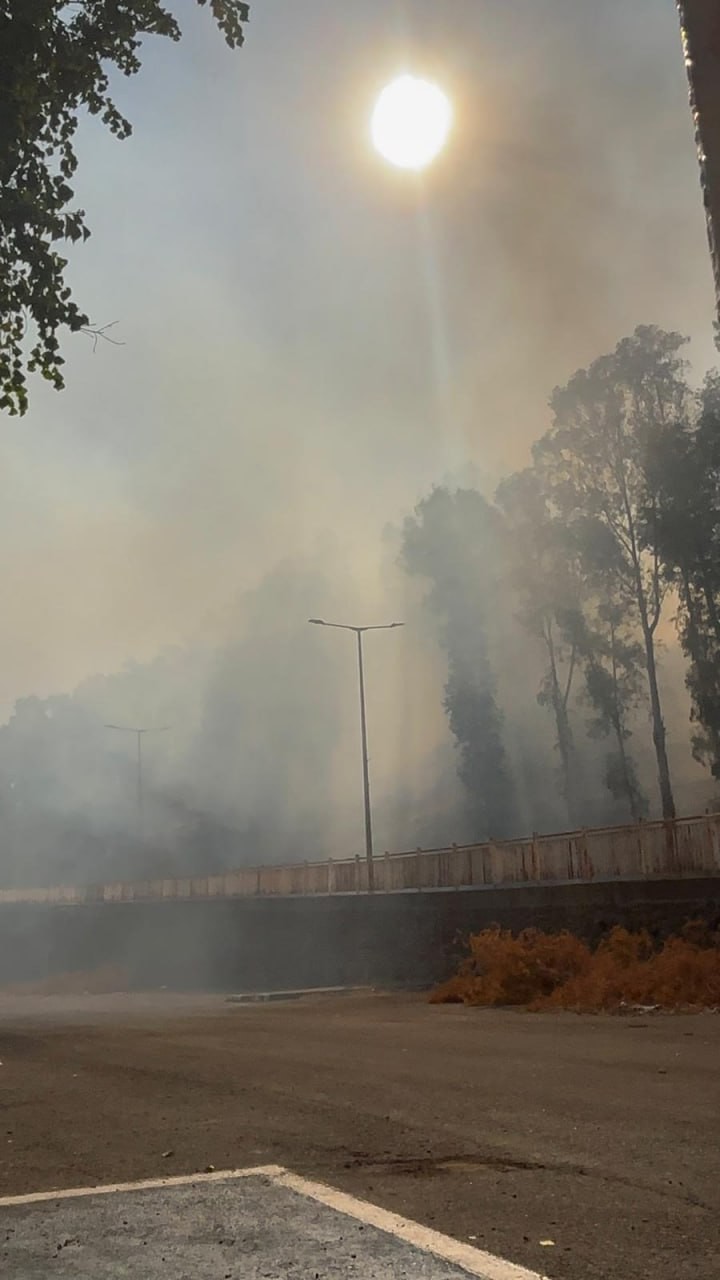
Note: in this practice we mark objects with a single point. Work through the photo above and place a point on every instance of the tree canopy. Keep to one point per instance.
(594, 463)
(453, 542)
(612, 529)
(56, 58)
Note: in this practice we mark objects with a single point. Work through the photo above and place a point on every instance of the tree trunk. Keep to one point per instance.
(648, 629)
(564, 732)
(627, 782)
(629, 790)
(658, 724)
(619, 734)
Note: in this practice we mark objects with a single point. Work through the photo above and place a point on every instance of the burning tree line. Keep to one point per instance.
(613, 527)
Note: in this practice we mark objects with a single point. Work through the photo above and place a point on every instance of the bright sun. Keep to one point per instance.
(411, 122)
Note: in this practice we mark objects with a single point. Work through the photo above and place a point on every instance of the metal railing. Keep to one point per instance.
(683, 848)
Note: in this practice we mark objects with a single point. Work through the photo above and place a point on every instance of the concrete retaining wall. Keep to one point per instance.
(275, 943)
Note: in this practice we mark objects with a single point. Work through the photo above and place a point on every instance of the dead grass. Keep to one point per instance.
(559, 971)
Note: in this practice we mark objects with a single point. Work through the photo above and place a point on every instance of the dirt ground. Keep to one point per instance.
(601, 1135)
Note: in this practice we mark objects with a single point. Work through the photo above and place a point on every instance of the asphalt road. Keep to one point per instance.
(261, 1225)
(601, 1135)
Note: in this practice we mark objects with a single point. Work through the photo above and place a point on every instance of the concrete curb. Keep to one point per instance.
(268, 997)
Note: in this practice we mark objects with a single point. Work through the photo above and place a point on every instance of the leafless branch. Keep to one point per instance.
(101, 331)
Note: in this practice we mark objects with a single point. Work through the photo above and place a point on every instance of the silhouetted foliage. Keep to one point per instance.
(594, 466)
(618, 515)
(614, 688)
(454, 542)
(686, 471)
(545, 575)
(55, 61)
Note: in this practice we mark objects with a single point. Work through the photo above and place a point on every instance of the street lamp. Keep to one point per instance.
(359, 632)
(124, 728)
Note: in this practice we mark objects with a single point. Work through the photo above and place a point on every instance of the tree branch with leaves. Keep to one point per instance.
(594, 465)
(55, 61)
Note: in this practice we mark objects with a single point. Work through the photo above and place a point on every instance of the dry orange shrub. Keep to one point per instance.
(559, 971)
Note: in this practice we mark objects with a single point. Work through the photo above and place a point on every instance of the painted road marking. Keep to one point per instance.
(150, 1184)
(475, 1261)
(423, 1240)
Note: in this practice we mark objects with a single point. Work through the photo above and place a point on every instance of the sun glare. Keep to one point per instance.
(411, 122)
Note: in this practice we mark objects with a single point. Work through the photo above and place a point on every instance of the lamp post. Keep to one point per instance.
(140, 733)
(360, 632)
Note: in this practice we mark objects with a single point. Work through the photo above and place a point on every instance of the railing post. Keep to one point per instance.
(711, 863)
(671, 857)
(570, 866)
(644, 868)
(330, 877)
(586, 867)
(418, 868)
(357, 873)
(535, 856)
(386, 871)
(492, 853)
(715, 837)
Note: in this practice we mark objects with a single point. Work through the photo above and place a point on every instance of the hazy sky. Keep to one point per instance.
(312, 338)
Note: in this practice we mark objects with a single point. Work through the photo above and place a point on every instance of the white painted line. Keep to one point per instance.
(151, 1184)
(475, 1261)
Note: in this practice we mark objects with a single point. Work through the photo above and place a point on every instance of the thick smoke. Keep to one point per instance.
(311, 343)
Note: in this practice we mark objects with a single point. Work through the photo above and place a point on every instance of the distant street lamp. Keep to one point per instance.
(124, 728)
(359, 632)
